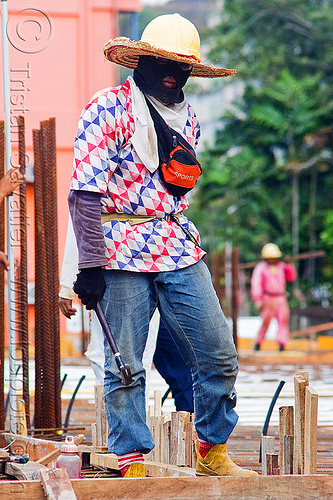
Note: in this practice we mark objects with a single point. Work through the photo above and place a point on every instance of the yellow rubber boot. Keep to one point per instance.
(136, 470)
(218, 463)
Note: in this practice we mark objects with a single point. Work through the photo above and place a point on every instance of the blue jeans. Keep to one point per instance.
(191, 311)
(171, 366)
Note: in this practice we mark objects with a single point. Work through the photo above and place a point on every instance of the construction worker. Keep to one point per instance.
(160, 347)
(139, 252)
(268, 289)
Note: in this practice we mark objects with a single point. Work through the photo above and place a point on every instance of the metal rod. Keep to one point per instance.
(13, 362)
(125, 371)
(23, 276)
(39, 275)
(54, 279)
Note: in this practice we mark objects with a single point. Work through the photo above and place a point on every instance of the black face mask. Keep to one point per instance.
(150, 72)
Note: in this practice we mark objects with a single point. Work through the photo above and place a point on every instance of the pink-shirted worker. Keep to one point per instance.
(268, 289)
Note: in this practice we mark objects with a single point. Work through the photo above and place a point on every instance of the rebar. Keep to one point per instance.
(22, 285)
(46, 258)
(39, 240)
(51, 174)
(47, 333)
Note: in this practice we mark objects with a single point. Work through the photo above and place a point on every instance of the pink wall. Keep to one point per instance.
(56, 64)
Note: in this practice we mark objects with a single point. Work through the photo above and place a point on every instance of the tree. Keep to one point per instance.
(262, 37)
(266, 161)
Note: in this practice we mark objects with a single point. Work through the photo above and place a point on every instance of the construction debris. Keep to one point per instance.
(57, 485)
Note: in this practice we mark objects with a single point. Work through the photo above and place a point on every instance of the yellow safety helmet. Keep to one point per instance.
(169, 36)
(173, 33)
(270, 251)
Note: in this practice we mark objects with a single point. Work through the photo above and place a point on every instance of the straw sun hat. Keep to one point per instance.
(170, 36)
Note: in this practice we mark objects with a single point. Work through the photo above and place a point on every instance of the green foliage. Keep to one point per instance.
(261, 37)
(327, 240)
(281, 128)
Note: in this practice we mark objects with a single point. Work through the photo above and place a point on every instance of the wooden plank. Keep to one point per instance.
(301, 256)
(313, 487)
(190, 436)
(57, 485)
(94, 433)
(310, 431)
(24, 472)
(165, 442)
(179, 420)
(157, 436)
(157, 469)
(300, 384)
(303, 374)
(267, 447)
(153, 468)
(157, 403)
(183, 420)
(174, 437)
(288, 455)
(286, 428)
(108, 460)
(310, 330)
(101, 422)
(272, 464)
(88, 448)
(155, 426)
(150, 424)
(36, 448)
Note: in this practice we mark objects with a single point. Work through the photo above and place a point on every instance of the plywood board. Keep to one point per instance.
(312, 487)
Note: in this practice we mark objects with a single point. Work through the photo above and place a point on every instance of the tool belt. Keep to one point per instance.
(131, 218)
(141, 219)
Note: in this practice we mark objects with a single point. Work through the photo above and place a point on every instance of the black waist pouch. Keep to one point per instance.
(178, 165)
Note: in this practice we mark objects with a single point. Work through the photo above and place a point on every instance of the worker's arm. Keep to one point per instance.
(4, 262)
(85, 210)
(68, 274)
(290, 272)
(10, 181)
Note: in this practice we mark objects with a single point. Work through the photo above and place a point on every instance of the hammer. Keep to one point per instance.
(125, 372)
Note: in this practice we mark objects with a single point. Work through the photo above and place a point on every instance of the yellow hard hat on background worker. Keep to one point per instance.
(270, 251)
(169, 36)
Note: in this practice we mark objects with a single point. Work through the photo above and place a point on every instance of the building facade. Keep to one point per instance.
(56, 64)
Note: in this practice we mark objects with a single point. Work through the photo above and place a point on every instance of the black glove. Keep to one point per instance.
(90, 286)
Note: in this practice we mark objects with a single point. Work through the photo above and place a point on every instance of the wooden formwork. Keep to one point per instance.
(298, 487)
(171, 466)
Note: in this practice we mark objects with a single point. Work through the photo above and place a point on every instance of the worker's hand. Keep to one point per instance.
(258, 305)
(66, 308)
(4, 262)
(90, 286)
(10, 181)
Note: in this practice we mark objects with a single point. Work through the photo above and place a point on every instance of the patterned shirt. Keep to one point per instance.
(105, 162)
